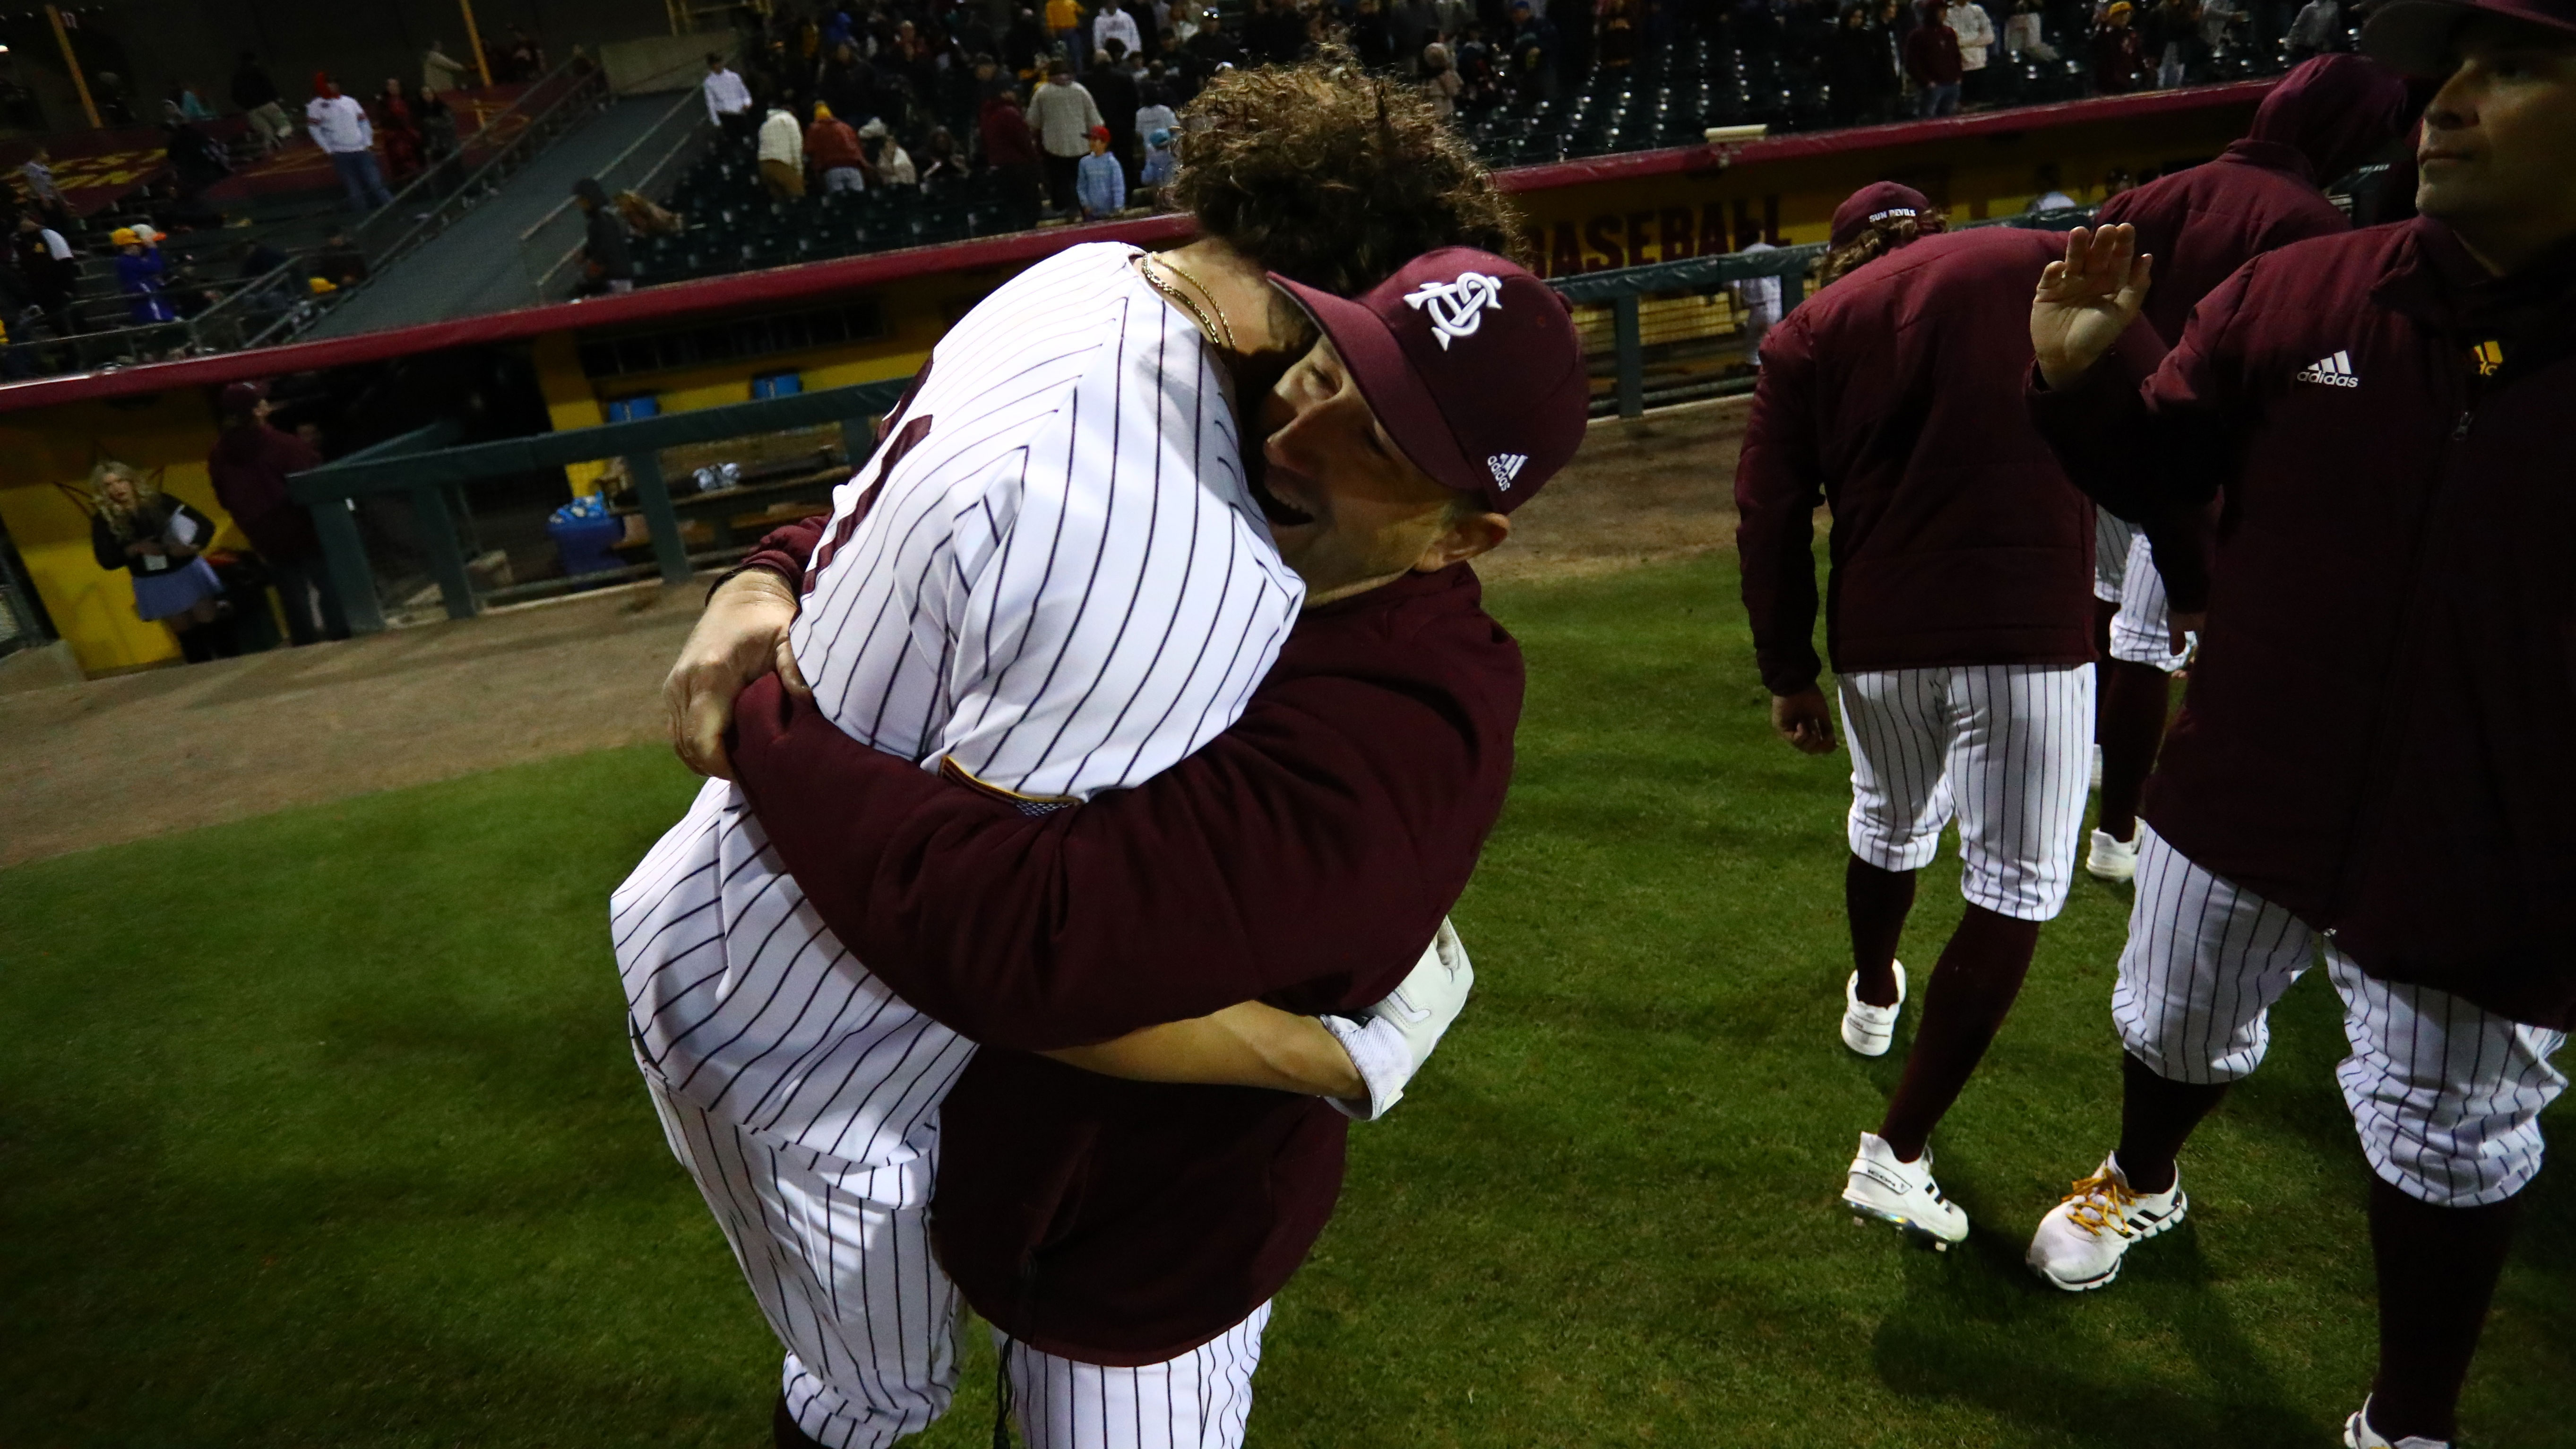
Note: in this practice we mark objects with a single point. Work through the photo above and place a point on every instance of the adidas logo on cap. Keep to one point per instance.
(1505, 468)
(2335, 371)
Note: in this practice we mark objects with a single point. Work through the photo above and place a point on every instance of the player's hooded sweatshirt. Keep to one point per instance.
(1304, 857)
(1895, 395)
(2376, 733)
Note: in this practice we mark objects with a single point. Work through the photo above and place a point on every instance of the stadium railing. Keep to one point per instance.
(550, 250)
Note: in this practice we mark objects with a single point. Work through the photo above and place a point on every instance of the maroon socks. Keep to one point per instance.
(1964, 1004)
(1877, 902)
(2131, 728)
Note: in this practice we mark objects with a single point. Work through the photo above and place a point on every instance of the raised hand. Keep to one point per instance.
(2086, 301)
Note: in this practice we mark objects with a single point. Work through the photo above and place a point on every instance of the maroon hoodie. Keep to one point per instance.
(1895, 396)
(2323, 120)
(249, 467)
(1303, 857)
(2376, 733)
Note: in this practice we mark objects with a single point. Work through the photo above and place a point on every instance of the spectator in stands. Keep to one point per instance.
(257, 96)
(1274, 33)
(941, 161)
(51, 271)
(161, 541)
(1114, 90)
(886, 156)
(1371, 38)
(440, 71)
(1533, 54)
(1063, 115)
(1440, 80)
(2117, 58)
(2169, 40)
(339, 262)
(1024, 44)
(1932, 59)
(2318, 30)
(1159, 162)
(1480, 86)
(1975, 29)
(1064, 23)
(1011, 149)
(1099, 181)
(339, 125)
(138, 278)
(1156, 113)
(526, 59)
(437, 125)
(192, 106)
(1617, 35)
(1114, 23)
(249, 467)
(1860, 70)
(36, 173)
(607, 265)
(398, 131)
(2023, 35)
(728, 99)
(832, 153)
(782, 155)
(197, 160)
(1211, 47)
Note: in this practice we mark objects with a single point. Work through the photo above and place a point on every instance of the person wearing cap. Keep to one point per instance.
(2325, 118)
(138, 277)
(1159, 161)
(886, 158)
(339, 125)
(1100, 184)
(1396, 448)
(1130, 376)
(1957, 621)
(2119, 59)
(249, 466)
(832, 152)
(2371, 765)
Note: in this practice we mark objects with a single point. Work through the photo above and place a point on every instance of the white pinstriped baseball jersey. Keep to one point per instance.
(1052, 572)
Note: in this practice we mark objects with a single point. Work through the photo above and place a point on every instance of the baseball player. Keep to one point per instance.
(1126, 1239)
(2371, 764)
(1957, 618)
(2324, 119)
(1052, 578)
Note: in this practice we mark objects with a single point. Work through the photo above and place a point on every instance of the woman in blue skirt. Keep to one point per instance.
(162, 542)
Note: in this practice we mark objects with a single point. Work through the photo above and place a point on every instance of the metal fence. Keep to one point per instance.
(550, 251)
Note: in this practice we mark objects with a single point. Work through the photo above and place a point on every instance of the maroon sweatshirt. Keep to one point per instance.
(2376, 734)
(249, 467)
(1895, 396)
(1304, 857)
(2324, 119)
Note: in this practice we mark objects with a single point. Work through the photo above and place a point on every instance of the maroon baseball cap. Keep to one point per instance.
(1878, 201)
(1472, 366)
(2415, 35)
(241, 399)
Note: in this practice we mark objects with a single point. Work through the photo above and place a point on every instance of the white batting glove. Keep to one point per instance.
(1391, 1040)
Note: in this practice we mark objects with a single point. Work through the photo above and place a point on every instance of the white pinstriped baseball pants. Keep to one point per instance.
(2007, 748)
(839, 1258)
(2446, 1095)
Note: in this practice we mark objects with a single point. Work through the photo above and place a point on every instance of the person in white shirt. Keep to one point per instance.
(728, 99)
(782, 155)
(893, 164)
(2023, 35)
(1757, 300)
(1155, 114)
(339, 125)
(1063, 113)
(1113, 23)
(1969, 21)
(440, 71)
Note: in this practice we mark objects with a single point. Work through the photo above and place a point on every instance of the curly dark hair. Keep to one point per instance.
(1333, 177)
(1881, 238)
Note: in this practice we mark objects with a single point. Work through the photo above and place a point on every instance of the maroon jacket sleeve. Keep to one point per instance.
(1779, 481)
(1305, 855)
(785, 550)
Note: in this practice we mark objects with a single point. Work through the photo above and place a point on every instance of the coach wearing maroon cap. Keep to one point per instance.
(1303, 858)
(2371, 765)
(249, 467)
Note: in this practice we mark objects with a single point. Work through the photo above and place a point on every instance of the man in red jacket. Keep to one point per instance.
(2201, 223)
(1127, 1235)
(249, 467)
(2371, 763)
(1958, 617)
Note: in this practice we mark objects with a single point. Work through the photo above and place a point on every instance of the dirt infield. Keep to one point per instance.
(118, 759)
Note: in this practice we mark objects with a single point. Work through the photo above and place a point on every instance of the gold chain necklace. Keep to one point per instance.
(1219, 331)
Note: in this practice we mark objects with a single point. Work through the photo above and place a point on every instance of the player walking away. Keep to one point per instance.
(2371, 763)
(1126, 1239)
(1957, 620)
(2323, 120)
(1053, 578)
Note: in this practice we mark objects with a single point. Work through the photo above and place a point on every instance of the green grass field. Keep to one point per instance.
(319, 1129)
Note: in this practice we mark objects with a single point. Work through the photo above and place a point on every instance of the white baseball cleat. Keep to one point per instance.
(2357, 1434)
(2111, 858)
(1868, 1029)
(2079, 1244)
(1902, 1194)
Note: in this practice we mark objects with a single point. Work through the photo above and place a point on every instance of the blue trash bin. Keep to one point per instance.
(585, 535)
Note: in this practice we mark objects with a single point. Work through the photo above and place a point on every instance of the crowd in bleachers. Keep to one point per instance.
(975, 119)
